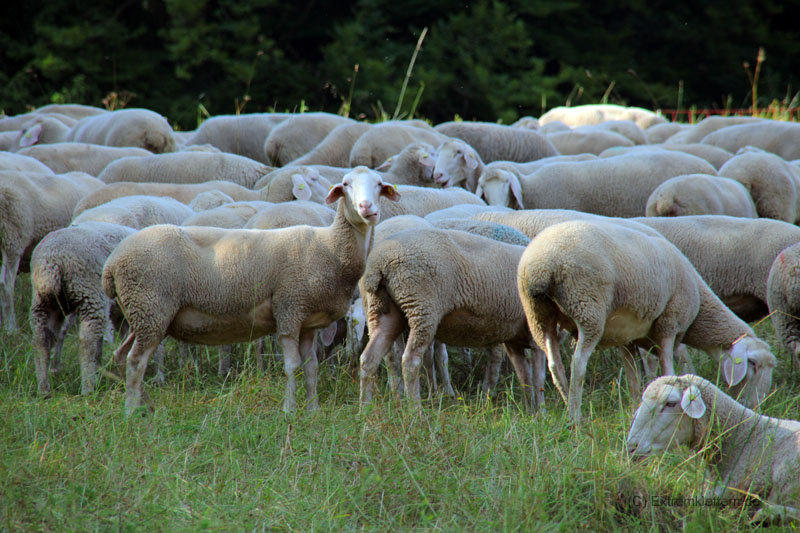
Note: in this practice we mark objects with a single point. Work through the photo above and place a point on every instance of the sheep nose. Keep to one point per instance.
(437, 176)
(365, 204)
(632, 448)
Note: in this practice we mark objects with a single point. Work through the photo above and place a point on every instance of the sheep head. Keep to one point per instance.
(666, 416)
(360, 191)
(308, 184)
(500, 187)
(456, 164)
(747, 368)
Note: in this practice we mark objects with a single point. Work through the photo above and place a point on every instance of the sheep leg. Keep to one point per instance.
(259, 346)
(491, 374)
(682, 355)
(224, 364)
(121, 353)
(384, 330)
(430, 371)
(412, 360)
(8, 276)
(46, 325)
(440, 357)
(91, 348)
(631, 371)
(524, 373)
(158, 363)
(308, 353)
(583, 349)
(666, 355)
(290, 347)
(394, 367)
(539, 364)
(58, 347)
(555, 364)
(136, 364)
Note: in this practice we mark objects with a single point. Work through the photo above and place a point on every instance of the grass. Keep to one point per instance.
(219, 454)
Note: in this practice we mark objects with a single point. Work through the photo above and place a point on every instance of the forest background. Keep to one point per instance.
(484, 60)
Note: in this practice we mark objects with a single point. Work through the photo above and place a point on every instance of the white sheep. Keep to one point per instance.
(186, 167)
(31, 206)
(713, 154)
(66, 267)
(700, 194)
(295, 213)
(216, 286)
(616, 286)
(772, 182)
(137, 211)
(659, 133)
(587, 115)
(776, 136)
(74, 111)
(382, 141)
(463, 211)
(231, 216)
(447, 285)
(126, 127)
(412, 166)
(749, 453)
(83, 157)
(41, 129)
(457, 165)
(588, 140)
(243, 134)
(614, 186)
(696, 132)
(298, 135)
(335, 148)
(783, 296)
(495, 142)
(22, 163)
(528, 122)
(183, 192)
(209, 200)
(294, 183)
(421, 201)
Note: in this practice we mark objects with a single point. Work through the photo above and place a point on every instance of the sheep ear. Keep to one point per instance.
(360, 327)
(471, 158)
(336, 192)
(426, 160)
(327, 334)
(31, 136)
(516, 190)
(692, 402)
(734, 364)
(300, 188)
(386, 164)
(389, 190)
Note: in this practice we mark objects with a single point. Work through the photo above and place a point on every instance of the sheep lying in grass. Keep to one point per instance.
(127, 127)
(83, 157)
(186, 167)
(700, 194)
(66, 267)
(750, 453)
(617, 286)
(449, 285)
(216, 286)
(31, 206)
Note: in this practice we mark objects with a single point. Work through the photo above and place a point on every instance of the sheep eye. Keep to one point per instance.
(670, 404)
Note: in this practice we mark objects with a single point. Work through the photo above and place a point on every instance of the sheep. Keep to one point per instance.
(449, 285)
(41, 129)
(772, 182)
(127, 127)
(587, 115)
(700, 194)
(231, 216)
(627, 128)
(89, 158)
(779, 137)
(298, 135)
(412, 166)
(17, 122)
(463, 211)
(216, 286)
(7, 140)
(184, 193)
(782, 297)
(186, 167)
(695, 133)
(589, 140)
(528, 122)
(293, 213)
(74, 111)
(494, 142)
(457, 165)
(22, 163)
(66, 267)
(714, 155)
(294, 183)
(554, 126)
(659, 133)
(620, 287)
(616, 186)
(335, 148)
(421, 201)
(532, 166)
(733, 255)
(243, 134)
(382, 141)
(31, 206)
(752, 454)
(209, 200)
(137, 211)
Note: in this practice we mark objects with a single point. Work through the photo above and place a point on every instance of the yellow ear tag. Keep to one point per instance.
(395, 186)
(738, 361)
(28, 134)
(301, 186)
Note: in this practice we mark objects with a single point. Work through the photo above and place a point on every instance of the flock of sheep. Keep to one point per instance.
(605, 222)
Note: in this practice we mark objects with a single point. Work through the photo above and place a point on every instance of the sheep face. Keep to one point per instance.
(500, 187)
(747, 368)
(308, 184)
(665, 417)
(361, 190)
(456, 163)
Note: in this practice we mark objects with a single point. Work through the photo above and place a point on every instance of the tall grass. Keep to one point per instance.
(219, 454)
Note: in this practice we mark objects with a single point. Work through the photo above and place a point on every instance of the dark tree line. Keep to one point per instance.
(486, 60)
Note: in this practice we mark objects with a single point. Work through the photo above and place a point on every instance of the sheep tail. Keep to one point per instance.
(47, 278)
(109, 287)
